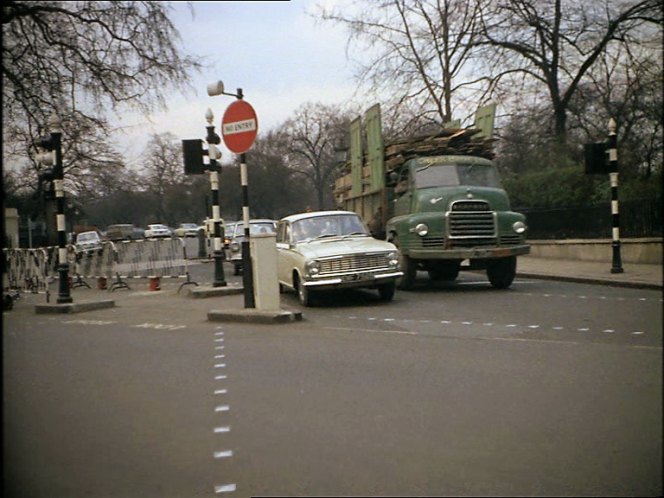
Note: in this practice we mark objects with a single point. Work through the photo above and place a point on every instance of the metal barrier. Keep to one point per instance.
(34, 269)
(27, 269)
(150, 258)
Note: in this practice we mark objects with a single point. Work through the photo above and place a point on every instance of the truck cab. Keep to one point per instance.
(447, 209)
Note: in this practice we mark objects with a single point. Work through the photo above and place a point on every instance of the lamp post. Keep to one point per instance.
(213, 154)
(247, 271)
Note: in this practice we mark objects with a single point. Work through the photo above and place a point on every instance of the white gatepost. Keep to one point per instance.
(264, 265)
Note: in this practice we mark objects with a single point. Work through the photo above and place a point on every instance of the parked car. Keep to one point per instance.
(234, 250)
(123, 231)
(186, 230)
(158, 230)
(333, 250)
(88, 242)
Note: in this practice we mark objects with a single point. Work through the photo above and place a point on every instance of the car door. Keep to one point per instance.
(285, 253)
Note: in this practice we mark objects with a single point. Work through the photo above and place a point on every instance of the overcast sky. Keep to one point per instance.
(280, 57)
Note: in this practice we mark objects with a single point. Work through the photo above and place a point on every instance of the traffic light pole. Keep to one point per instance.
(213, 140)
(64, 295)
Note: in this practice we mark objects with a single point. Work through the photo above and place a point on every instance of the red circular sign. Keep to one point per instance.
(239, 126)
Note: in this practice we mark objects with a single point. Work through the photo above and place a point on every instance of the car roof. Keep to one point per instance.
(313, 214)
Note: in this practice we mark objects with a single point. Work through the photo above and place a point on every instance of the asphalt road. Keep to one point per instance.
(545, 389)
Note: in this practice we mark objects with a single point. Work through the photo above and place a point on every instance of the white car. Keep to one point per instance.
(333, 250)
(186, 230)
(87, 242)
(234, 247)
(157, 230)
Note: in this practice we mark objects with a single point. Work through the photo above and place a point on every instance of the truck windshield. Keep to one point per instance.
(453, 175)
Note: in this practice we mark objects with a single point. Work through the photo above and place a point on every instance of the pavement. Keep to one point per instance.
(645, 276)
(231, 307)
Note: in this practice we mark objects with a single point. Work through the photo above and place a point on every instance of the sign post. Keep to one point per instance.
(239, 127)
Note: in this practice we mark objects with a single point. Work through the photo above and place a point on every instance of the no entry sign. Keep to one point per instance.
(239, 126)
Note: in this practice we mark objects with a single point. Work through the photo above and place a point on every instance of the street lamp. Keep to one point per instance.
(214, 89)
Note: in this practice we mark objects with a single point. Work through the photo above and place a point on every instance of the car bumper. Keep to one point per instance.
(360, 279)
(470, 253)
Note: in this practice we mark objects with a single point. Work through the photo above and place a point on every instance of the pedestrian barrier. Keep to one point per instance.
(26, 269)
(150, 258)
(154, 259)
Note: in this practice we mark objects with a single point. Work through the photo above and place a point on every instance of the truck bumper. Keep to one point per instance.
(470, 253)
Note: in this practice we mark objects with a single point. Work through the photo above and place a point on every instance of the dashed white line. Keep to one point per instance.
(220, 365)
(222, 408)
(221, 391)
(224, 488)
(223, 454)
(219, 356)
(221, 377)
(222, 430)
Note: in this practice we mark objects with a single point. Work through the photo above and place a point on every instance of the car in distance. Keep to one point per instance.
(186, 230)
(123, 231)
(324, 250)
(157, 230)
(234, 251)
(88, 242)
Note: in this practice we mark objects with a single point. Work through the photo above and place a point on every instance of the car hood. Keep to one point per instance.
(324, 248)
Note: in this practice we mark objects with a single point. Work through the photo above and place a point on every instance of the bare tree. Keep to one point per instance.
(313, 132)
(555, 44)
(79, 60)
(421, 51)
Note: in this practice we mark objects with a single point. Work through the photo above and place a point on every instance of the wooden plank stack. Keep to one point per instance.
(448, 141)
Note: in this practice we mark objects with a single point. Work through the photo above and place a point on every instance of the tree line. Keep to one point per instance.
(558, 70)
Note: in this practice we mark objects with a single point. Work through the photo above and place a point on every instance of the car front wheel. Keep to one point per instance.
(303, 294)
(386, 291)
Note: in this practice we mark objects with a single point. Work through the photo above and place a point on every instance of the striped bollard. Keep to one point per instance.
(247, 271)
(615, 219)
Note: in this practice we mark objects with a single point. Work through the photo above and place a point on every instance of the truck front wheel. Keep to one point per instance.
(407, 266)
(501, 272)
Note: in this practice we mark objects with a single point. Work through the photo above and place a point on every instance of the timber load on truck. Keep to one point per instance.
(437, 197)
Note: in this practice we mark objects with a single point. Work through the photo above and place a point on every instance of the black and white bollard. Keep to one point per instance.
(247, 271)
(615, 218)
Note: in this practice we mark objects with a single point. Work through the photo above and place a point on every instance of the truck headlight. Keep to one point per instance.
(421, 229)
(235, 247)
(519, 227)
(312, 267)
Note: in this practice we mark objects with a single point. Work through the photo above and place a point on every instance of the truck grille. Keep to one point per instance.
(355, 262)
(471, 224)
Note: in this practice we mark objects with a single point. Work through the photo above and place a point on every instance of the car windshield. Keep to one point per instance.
(255, 228)
(452, 175)
(87, 236)
(158, 227)
(319, 227)
(188, 225)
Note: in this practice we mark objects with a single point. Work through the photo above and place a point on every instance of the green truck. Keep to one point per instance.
(438, 198)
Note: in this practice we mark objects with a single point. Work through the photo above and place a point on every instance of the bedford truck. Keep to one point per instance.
(438, 198)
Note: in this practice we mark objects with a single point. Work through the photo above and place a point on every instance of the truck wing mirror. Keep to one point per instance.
(391, 179)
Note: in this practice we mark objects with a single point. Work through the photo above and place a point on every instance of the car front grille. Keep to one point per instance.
(355, 262)
(468, 224)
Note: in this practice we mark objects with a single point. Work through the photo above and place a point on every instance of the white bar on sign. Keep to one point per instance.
(239, 127)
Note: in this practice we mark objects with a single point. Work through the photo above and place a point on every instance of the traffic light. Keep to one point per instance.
(596, 159)
(193, 152)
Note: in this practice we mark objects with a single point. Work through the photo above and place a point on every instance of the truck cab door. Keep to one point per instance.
(403, 193)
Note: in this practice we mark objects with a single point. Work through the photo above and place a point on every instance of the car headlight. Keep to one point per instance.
(392, 259)
(312, 267)
(421, 229)
(519, 227)
(235, 247)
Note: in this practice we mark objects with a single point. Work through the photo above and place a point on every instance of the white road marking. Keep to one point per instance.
(221, 391)
(223, 454)
(219, 356)
(221, 430)
(224, 488)
(220, 365)
(219, 340)
(221, 377)
(222, 408)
